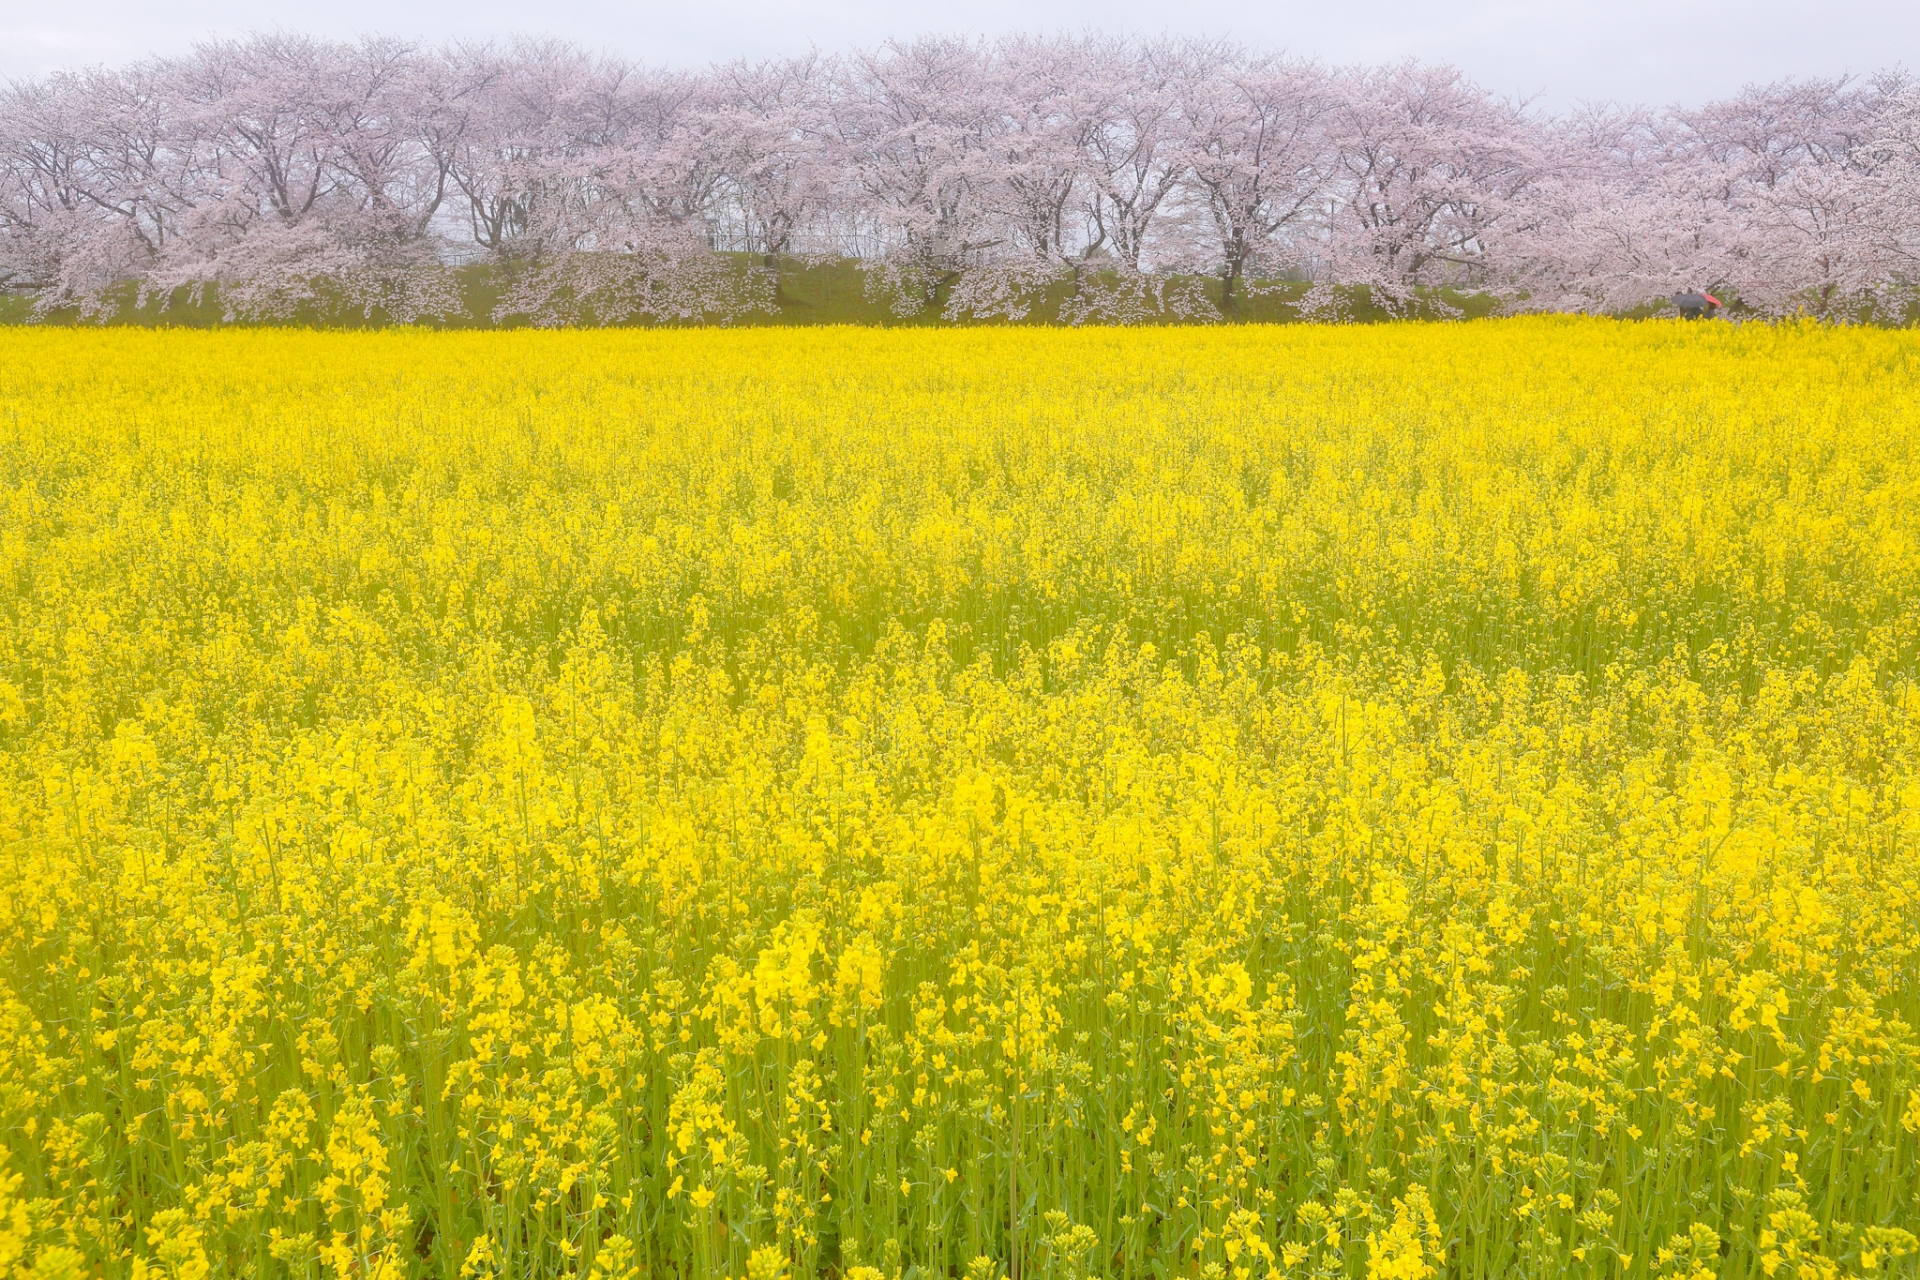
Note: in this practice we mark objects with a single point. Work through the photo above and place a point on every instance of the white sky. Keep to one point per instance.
(1563, 51)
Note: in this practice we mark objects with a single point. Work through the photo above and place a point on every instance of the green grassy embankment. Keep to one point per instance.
(832, 292)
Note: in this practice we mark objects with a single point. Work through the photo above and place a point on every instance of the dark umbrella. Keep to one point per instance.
(1693, 304)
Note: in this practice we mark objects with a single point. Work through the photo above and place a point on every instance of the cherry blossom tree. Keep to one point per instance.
(1894, 195)
(1616, 218)
(773, 119)
(1026, 120)
(89, 200)
(1430, 170)
(291, 176)
(1132, 170)
(1258, 156)
(1796, 165)
(299, 181)
(49, 246)
(912, 137)
(1134, 154)
(624, 235)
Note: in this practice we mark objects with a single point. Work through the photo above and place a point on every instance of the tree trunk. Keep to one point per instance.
(771, 262)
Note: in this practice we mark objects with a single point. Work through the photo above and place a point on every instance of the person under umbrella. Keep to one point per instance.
(1695, 303)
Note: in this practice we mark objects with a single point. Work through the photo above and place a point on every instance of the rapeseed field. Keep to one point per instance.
(1003, 805)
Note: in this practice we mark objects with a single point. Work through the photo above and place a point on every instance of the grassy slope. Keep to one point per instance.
(826, 293)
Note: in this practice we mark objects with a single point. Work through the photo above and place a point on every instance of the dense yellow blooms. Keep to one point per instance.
(1390, 802)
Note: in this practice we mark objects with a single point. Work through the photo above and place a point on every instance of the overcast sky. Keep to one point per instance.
(1562, 51)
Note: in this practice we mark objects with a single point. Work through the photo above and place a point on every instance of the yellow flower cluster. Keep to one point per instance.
(1391, 802)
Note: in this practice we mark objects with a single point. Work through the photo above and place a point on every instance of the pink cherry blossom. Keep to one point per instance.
(1126, 180)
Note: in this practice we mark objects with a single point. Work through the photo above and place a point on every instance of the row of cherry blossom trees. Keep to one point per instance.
(1122, 179)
